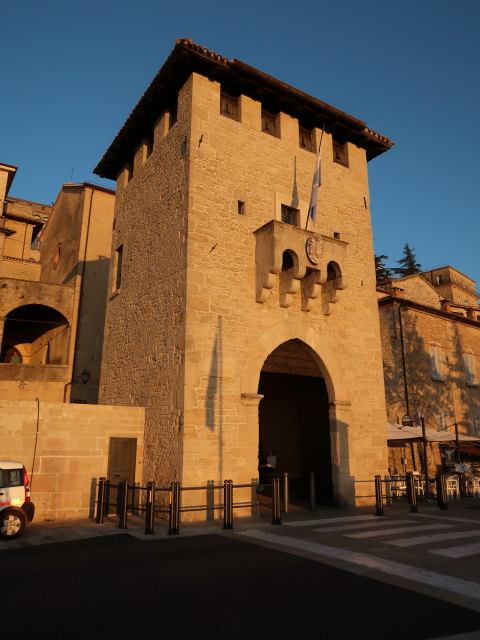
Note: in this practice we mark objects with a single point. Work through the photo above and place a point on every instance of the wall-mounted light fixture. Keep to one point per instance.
(85, 376)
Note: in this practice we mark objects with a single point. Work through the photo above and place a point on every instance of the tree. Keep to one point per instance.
(408, 265)
(383, 274)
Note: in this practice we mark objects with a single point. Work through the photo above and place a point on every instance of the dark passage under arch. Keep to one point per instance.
(294, 418)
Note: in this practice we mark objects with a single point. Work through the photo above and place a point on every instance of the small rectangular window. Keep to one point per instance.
(439, 279)
(229, 106)
(290, 215)
(340, 152)
(117, 266)
(241, 208)
(305, 139)
(270, 123)
(436, 362)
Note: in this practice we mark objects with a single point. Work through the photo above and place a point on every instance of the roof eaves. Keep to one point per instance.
(187, 57)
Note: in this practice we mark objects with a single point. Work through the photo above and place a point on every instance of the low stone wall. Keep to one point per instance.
(65, 449)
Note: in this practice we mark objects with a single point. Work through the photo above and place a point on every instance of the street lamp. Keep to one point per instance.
(419, 421)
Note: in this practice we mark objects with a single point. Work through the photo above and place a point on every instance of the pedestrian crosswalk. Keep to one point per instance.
(403, 532)
(459, 552)
(389, 532)
(438, 537)
(364, 543)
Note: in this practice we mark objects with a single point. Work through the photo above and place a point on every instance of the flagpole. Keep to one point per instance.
(317, 162)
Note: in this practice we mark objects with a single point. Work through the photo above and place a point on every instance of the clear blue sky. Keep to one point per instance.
(71, 73)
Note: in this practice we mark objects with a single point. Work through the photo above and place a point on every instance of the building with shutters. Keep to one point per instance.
(431, 357)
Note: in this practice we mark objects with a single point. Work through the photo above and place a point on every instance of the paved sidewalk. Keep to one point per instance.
(38, 533)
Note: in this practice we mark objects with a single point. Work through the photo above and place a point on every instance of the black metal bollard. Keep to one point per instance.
(122, 504)
(412, 492)
(228, 504)
(149, 508)
(312, 491)
(441, 492)
(174, 515)
(106, 507)
(276, 513)
(379, 495)
(286, 497)
(100, 501)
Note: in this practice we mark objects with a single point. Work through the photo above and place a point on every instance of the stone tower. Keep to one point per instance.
(240, 327)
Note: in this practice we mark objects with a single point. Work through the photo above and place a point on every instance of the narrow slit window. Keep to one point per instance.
(118, 264)
(241, 208)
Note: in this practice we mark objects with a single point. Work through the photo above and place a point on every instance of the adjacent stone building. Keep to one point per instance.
(53, 287)
(52, 302)
(431, 351)
(240, 325)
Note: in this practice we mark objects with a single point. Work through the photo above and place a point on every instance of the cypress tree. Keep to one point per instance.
(408, 264)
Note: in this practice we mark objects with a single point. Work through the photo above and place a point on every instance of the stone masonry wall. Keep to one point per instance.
(227, 330)
(452, 395)
(144, 331)
(67, 452)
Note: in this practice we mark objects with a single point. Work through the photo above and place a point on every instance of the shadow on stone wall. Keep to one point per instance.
(214, 397)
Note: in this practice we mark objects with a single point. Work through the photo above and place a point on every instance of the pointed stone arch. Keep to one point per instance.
(338, 397)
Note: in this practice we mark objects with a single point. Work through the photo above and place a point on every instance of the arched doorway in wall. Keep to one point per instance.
(37, 333)
(294, 418)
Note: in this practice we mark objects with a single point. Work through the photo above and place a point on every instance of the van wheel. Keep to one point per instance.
(12, 523)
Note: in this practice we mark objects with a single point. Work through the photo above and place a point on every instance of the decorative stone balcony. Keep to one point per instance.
(303, 262)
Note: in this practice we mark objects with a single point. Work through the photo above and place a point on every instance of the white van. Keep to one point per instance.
(16, 508)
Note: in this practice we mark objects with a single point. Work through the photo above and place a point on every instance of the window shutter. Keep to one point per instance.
(470, 372)
(436, 361)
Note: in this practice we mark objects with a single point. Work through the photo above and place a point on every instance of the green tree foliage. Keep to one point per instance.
(408, 264)
(382, 272)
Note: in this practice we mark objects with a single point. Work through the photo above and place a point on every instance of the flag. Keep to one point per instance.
(317, 180)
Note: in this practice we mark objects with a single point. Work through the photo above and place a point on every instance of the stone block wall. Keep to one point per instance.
(452, 395)
(64, 448)
(143, 355)
(230, 334)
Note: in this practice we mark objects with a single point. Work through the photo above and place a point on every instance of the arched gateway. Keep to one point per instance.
(294, 418)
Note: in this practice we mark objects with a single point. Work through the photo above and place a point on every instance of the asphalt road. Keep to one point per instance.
(205, 586)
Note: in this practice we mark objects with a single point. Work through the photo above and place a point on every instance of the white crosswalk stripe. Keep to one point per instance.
(438, 537)
(389, 532)
(381, 565)
(458, 552)
(363, 525)
(309, 523)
